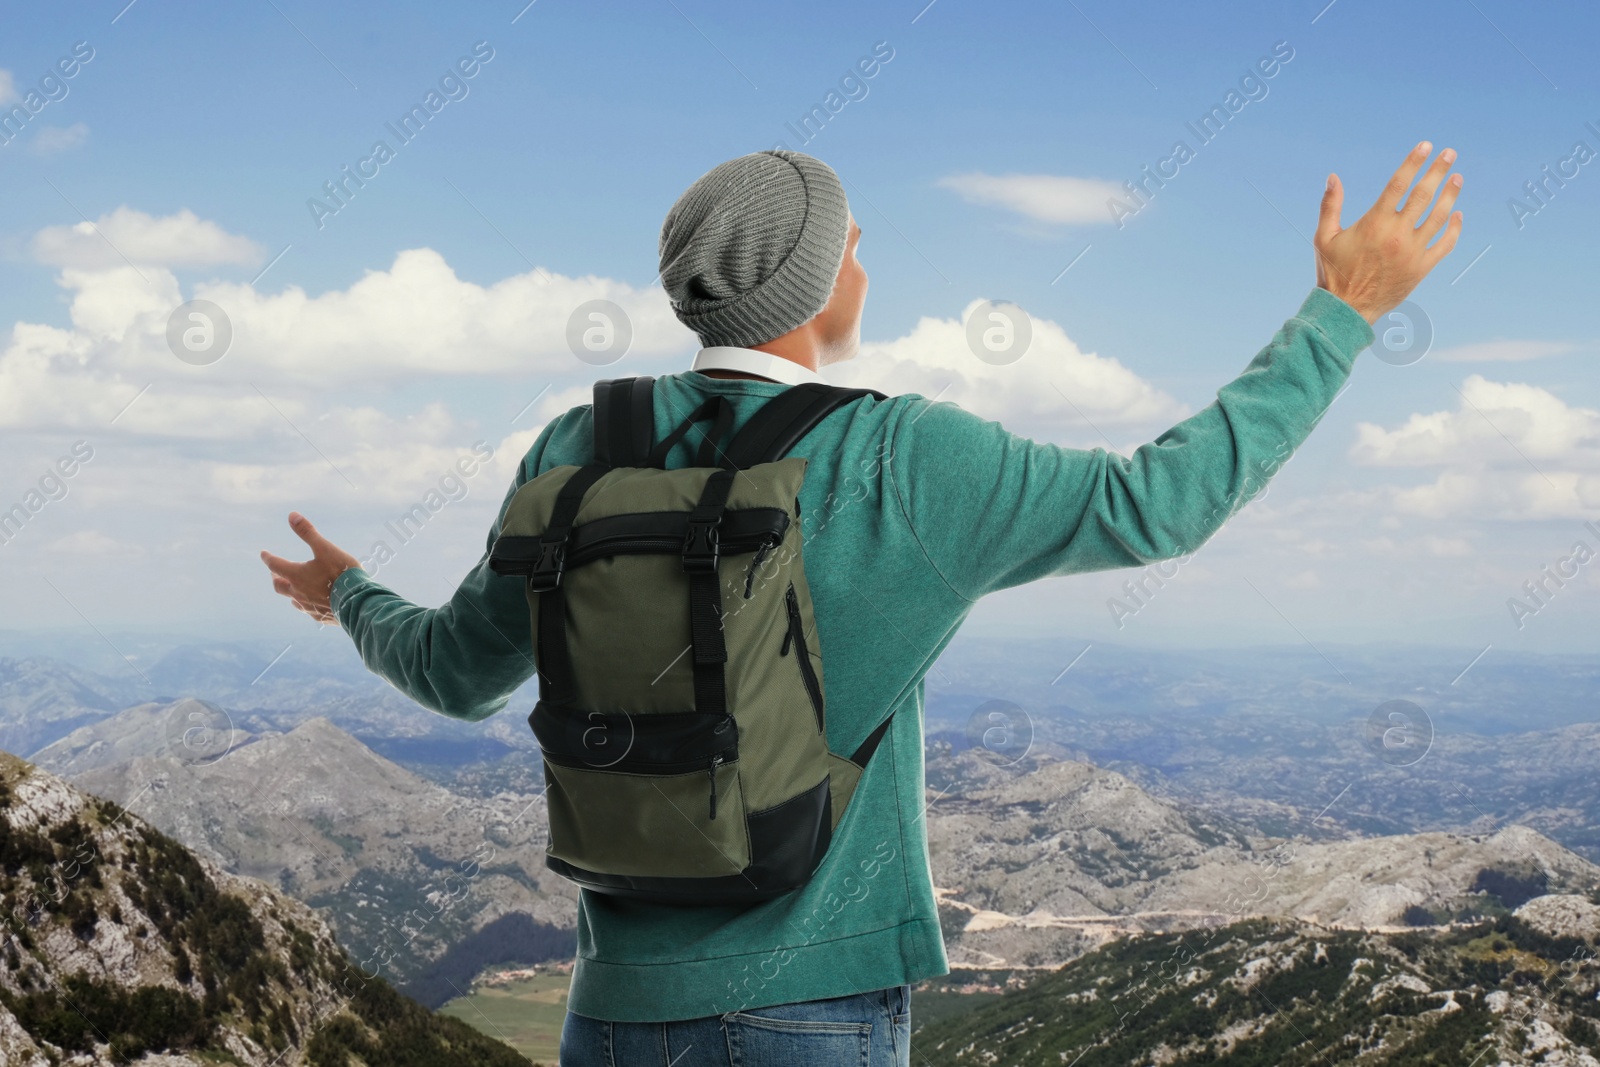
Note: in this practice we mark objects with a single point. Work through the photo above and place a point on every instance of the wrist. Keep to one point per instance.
(1361, 307)
(341, 582)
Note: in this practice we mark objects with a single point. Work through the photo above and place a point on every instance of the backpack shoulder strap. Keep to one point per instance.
(624, 421)
(782, 421)
(774, 429)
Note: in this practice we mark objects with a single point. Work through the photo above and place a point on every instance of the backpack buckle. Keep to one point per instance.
(546, 572)
(701, 547)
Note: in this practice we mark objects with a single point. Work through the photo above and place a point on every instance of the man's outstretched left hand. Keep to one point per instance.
(309, 584)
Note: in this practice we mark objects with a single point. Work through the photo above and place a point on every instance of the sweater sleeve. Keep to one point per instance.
(993, 510)
(464, 658)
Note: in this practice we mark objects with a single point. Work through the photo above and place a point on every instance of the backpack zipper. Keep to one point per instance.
(755, 564)
(613, 545)
(631, 765)
(796, 635)
(711, 771)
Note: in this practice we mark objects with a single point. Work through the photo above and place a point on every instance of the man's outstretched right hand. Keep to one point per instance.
(1374, 264)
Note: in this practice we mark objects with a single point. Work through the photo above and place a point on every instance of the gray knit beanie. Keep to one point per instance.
(752, 248)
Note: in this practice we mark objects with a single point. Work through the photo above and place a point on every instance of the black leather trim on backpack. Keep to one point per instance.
(663, 742)
(779, 860)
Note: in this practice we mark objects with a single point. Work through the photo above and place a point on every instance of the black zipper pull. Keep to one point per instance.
(792, 603)
(755, 564)
(712, 772)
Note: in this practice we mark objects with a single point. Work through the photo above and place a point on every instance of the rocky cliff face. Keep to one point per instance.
(120, 946)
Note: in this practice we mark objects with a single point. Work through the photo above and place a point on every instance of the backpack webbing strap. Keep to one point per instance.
(554, 658)
(715, 408)
(701, 551)
(624, 421)
(785, 419)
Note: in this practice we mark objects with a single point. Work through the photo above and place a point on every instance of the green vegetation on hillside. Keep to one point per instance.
(526, 1014)
(383, 1027)
(1272, 994)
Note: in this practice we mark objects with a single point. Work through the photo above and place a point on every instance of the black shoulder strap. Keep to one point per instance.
(777, 427)
(624, 421)
(785, 419)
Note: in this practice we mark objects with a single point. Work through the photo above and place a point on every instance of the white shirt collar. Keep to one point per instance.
(750, 361)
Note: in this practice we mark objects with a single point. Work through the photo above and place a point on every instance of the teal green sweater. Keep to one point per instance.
(912, 511)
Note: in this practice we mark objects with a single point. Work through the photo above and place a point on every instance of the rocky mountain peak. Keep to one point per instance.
(121, 946)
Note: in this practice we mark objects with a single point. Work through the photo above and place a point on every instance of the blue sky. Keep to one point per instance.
(572, 141)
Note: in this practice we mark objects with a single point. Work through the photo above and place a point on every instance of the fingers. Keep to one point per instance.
(1441, 210)
(285, 581)
(308, 533)
(1422, 195)
(280, 567)
(1443, 245)
(1332, 204)
(1390, 200)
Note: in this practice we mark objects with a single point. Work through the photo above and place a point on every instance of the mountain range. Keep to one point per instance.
(1040, 860)
(1155, 797)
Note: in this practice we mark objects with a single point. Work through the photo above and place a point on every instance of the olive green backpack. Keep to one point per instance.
(681, 713)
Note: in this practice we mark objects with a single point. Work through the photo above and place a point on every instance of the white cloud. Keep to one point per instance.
(1510, 351)
(1446, 547)
(53, 140)
(1304, 580)
(1510, 451)
(93, 542)
(8, 88)
(1503, 496)
(1055, 387)
(416, 320)
(1495, 421)
(180, 240)
(337, 404)
(388, 461)
(419, 318)
(1427, 544)
(1042, 197)
(369, 383)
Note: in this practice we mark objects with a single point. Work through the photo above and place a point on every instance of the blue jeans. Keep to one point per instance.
(861, 1030)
